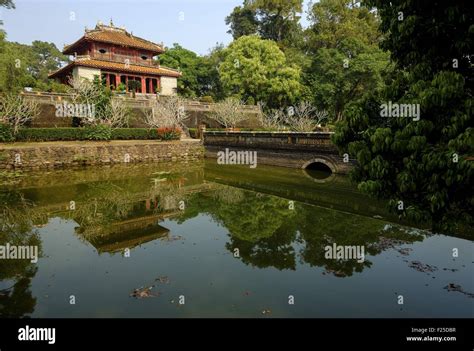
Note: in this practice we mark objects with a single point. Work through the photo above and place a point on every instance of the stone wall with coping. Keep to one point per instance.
(70, 154)
(284, 149)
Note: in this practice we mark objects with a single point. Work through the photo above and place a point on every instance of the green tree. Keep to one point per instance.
(46, 58)
(28, 66)
(256, 70)
(335, 79)
(334, 21)
(209, 79)
(9, 5)
(190, 65)
(423, 166)
(347, 62)
(242, 21)
(276, 20)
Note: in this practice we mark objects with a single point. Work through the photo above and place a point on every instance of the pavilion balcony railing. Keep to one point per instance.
(81, 57)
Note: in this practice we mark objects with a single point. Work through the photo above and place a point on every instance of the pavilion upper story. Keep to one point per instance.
(118, 56)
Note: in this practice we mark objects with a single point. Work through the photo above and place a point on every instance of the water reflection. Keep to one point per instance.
(18, 219)
(268, 234)
(275, 218)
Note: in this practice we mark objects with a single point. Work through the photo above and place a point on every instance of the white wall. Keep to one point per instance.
(169, 86)
(85, 72)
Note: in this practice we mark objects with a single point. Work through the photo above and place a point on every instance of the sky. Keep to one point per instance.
(197, 25)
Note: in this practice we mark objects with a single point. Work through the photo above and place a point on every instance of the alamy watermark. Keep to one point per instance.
(400, 110)
(14, 252)
(37, 334)
(229, 157)
(75, 110)
(345, 252)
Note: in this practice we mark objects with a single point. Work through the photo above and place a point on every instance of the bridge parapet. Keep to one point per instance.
(286, 149)
(317, 141)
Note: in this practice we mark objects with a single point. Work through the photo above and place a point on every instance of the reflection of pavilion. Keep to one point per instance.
(127, 234)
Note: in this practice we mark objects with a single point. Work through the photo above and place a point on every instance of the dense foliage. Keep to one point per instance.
(256, 70)
(28, 66)
(424, 166)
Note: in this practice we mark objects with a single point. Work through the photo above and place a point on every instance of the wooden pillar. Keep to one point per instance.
(150, 85)
(117, 80)
(143, 85)
(107, 79)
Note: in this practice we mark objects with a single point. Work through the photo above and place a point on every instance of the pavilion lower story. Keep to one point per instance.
(148, 84)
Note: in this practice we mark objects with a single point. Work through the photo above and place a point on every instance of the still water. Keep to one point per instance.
(201, 240)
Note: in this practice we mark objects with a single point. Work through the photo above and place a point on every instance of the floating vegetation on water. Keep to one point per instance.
(421, 267)
(337, 273)
(144, 292)
(163, 279)
(389, 243)
(458, 288)
(173, 238)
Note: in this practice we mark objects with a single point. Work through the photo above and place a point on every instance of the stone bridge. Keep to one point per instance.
(313, 150)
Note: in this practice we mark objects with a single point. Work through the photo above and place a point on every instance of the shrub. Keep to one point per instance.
(121, 88)
(51, 134)
(207, 99)
(169, 133)
(193, 133)
(6, 133)
(98, 132)
(72, 134)
(134, 134)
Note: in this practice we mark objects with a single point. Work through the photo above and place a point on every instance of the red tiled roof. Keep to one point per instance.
(113, 35)
(118, 67)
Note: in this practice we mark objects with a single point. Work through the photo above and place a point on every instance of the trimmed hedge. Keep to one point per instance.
(51, 134)
(73, 134)
(99, 132)
(134, 134)
(6, 133)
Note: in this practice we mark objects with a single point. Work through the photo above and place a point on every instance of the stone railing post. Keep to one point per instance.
(201, 130)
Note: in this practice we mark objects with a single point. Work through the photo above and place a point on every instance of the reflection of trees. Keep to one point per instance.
(99, 205)
(259, 225)
(274, 251)
(17, 301)
(168, 190)
(17, 217)
(247, 215)
(105, 207)
(229, 195)
(254, 217)
(265, 230)
(321, 227)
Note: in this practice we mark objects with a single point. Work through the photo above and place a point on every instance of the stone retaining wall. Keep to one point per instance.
(70, 154)
(198, 112)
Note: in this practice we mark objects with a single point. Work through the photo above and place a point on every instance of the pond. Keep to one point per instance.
(203, 240)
